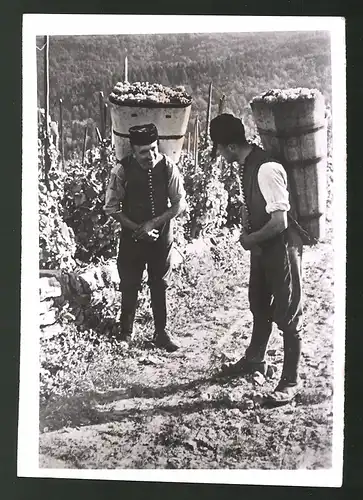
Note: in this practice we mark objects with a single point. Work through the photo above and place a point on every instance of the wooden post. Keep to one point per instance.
(102, 114)
(99, 137)
(208, 110)
(221, 104)
(188, 144)
(194, 138)
(46, 111)
(126, 76)
(46, 83)
(105, 116)
(196, 141)
(111, 131)
(84, 144)
(61, 144)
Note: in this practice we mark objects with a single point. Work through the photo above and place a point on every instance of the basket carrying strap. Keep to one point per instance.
(307, 239)
(162, 137)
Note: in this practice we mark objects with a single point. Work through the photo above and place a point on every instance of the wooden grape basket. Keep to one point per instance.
(295, 132)
(171, 121)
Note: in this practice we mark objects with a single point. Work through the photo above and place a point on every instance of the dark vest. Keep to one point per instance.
(255, 201)
(146, 191)
(146, 194)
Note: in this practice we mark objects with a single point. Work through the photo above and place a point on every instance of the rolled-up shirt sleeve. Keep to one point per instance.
(272, 181)
(115, 191)
(176, 191)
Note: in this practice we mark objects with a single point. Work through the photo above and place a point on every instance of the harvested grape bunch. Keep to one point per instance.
(282, 95)
(140, 93)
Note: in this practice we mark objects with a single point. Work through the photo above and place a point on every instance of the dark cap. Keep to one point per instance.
(140, 135)
(227, 129)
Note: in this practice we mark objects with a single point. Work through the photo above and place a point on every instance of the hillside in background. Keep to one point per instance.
(240, 65)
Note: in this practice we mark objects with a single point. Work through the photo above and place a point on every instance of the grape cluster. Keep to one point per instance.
(146, 93)
(283, 95)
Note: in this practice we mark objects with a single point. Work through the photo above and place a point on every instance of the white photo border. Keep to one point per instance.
(90, 24)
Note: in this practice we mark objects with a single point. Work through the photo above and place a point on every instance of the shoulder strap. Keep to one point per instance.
(166, 168)
(125, 162)
(306, 238)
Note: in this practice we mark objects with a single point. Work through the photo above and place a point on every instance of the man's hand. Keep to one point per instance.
(247, 240)
(146, 231)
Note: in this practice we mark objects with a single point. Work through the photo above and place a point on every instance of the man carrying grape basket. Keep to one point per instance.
(275, 262)
(144, 194)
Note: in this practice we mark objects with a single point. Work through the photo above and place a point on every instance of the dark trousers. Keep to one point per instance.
(133, 257)
(275, 294)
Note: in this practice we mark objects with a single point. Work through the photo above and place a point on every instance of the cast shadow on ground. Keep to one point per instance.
(144, 391)
(84, 405)
(86, 409)
(91, 415)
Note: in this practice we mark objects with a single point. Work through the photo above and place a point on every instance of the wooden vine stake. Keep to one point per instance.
(196, 141)
(84, 144)
(194, 223)
(46, 111)
(111, 131)
(209, 111)
(99, 137)
(126, 76)
(221, 104)
(105, 116)
(61, 144)
(102, 114)
(188, 144)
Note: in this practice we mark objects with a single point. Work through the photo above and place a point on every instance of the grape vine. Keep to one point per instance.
(74, 228)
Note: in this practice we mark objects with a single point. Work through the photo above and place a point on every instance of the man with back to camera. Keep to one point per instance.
(275, 261)
(143, 183)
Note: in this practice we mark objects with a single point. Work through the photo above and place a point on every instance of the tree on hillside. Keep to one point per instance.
(241, 65)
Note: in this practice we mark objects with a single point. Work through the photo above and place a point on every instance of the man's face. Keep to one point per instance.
(147, 156)
(228, 152)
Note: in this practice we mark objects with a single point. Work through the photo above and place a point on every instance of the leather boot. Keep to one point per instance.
(126, 323)
(162, 338)
(292, 353)
(158, 305)
(289, 385)
(261, 333)
(128, 310)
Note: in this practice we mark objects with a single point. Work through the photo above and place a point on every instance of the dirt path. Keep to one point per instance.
(169, 412)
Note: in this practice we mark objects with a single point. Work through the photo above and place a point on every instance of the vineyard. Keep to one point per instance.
(241, 65)
(107, 404)
(77, 239)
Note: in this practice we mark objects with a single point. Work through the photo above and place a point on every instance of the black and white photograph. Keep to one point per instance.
(184, 220)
